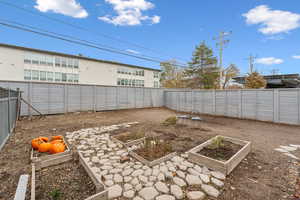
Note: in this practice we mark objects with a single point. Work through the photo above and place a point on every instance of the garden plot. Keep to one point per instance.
(173, 178)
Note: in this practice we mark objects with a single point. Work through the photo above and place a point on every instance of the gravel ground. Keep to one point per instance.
(264, 175)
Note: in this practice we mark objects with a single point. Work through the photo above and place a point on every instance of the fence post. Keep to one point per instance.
(214, 102)
(8, 111)
(29, 98)
(240, 108)
(94, 98)
(276, 105)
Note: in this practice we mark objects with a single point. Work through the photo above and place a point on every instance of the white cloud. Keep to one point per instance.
(296, 56)
(132, 51)
(272, 21)
(269, 61)
(130, 13)
(66, 7)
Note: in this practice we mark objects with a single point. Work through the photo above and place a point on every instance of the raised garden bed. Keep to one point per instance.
(42, 160)
(153, 152)
(128, 139)
(223, 158)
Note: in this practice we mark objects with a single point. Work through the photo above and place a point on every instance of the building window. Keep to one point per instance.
(49, 60)
(49, 76)
(43, 60)
(70, 78)
(57, 61)
(156, 84)
(63, 62)
(70, 63)
(76, 63)
(35, 59)
(43, 76)
(27, 74)
(156, 74)
(27, 58)
(58, 76)
(64, 77)
(35, 75)
(76, 78)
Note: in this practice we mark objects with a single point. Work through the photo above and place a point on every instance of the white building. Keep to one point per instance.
(27, 64)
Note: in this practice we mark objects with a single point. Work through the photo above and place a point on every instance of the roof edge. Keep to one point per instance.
(75, 56)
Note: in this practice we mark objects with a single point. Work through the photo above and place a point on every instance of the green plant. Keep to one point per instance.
(170, 121)
(217, 143)
(55, 194)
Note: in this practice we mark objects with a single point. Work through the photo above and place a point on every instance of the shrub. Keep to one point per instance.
(170, 121)
(217, 143)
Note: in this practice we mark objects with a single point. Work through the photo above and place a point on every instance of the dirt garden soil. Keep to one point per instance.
(264, 175)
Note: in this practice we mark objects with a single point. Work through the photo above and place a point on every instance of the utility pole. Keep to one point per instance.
(251, 63)
(221, 42)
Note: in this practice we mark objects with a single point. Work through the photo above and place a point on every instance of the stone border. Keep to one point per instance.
(154, 162)
(128, 144)
(50, 160)
(224, 167)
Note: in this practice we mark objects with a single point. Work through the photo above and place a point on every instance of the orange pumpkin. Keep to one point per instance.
(57, 137)
(45, 139)
(45, 147)
(57, 148)
(56, 141)
(35, 143)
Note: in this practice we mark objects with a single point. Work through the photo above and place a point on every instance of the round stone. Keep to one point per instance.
(217, 182)
(162, 187)
(177, 191)
(129, 194)
(148, 193)
(218, 175)
(109, 183)
(210, 190)
(127, 187)
(179, 182)
(165, 197)
(127, 172)
(118, 178)
(137, 172)
(204, 178)
(161, 177)
(193, 180)
(114, 191)
(195, 195)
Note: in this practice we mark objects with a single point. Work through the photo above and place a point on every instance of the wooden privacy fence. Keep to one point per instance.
(275, 105)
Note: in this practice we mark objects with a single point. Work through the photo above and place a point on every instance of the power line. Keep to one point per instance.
(80, 43)
(85, 29)
(68, 36)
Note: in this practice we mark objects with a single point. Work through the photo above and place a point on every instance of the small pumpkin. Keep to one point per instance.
(45, 139)
(44, 147)
(57, 137)
(35, 143)
(56, 141)
(57, 147)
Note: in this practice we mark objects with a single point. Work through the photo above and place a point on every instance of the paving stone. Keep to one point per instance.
(137, 198)
(164, 169)
(155, 172)
(204, 178)
(114, 191)
(118, 178)
(198, 168)
(109, 183)
(152, 178)
(135, 181)
(177, 159)
(206, 171)
(218, 175)
(137, 172)
(106, 167)
(149, 184)
(143, 179)
(165, 197)
(148, 193)
(115, 170)
(129, 194)
(161, 187)
(127, 179)
(193, 172)
(138, 187)
(179, 182)
(193, 180)
(127, 172)
(95, 159)
(187, 163)
(108, 177)
(181, 174)
(137, 166)
(172, 169)
(195, 195)
(169, 174)
(127, 187)
(210, 190)
(161, 177)
(148, 172)
(182, 167)
(177, 191)
(217, 182)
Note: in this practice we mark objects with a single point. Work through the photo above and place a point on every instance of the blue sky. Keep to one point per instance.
(268, 29)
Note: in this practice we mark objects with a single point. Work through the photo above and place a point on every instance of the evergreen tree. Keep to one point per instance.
(202, 71)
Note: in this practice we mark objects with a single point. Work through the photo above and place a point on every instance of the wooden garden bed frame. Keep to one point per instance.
(51, 159)
(154, 162)
(128, 144)
(224, 167)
